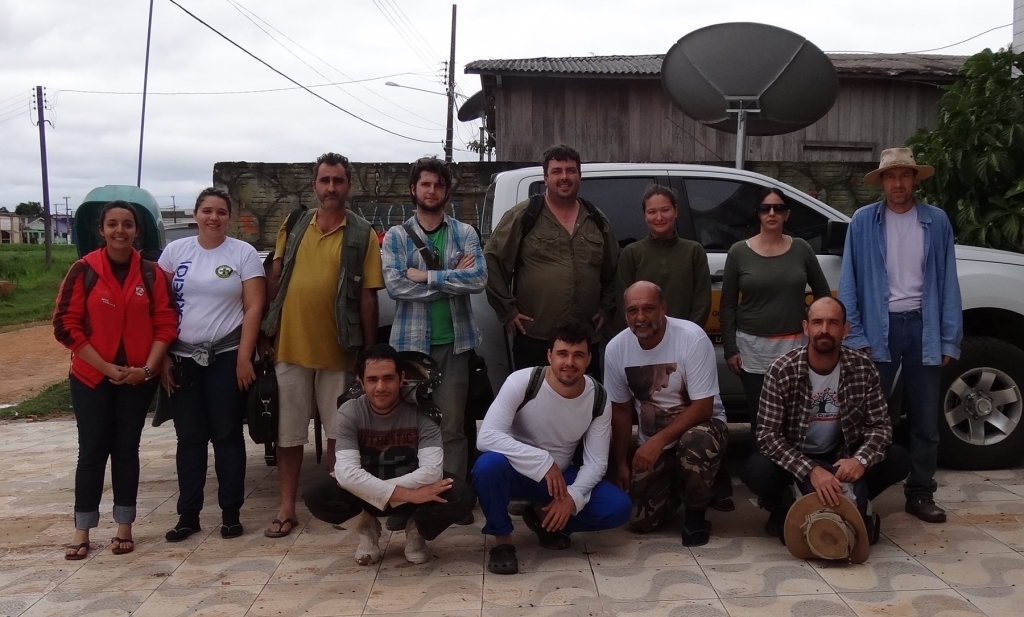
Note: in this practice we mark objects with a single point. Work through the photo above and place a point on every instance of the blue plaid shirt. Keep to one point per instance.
(411, 329)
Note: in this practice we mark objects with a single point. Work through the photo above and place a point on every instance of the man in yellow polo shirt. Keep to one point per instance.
(323, 310)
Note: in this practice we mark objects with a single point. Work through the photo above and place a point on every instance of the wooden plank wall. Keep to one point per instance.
(633, 120)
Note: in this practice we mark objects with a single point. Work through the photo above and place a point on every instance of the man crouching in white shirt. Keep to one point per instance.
(389, 462)
(527, 443)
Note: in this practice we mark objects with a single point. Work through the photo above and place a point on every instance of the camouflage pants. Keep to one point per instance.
(683, 475)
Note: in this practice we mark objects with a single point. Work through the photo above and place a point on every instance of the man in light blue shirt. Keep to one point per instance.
(900, 288)
(432, 263)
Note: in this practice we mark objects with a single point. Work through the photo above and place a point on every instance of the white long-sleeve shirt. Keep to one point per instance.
(547, 430)
(376, 453)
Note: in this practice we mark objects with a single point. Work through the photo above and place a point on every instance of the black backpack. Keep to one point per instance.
(537, 378)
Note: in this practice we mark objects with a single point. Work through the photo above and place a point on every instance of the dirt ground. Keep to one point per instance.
(30, 360)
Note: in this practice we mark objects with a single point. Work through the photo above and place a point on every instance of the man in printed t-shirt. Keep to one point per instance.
(663, 370)
(388, 462)
(823, 422)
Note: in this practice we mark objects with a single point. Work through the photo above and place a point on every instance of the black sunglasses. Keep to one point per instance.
(766, 208)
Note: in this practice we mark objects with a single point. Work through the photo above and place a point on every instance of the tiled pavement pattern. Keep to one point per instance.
(972, 565)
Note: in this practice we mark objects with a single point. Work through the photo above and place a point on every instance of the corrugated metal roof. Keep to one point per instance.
(890, 65)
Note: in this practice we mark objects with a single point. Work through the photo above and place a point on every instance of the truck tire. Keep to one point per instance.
(981, 418)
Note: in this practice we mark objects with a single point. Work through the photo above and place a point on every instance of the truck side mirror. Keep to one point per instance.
(835, 237)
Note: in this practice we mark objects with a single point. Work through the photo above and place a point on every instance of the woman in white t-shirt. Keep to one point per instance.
(219, 288)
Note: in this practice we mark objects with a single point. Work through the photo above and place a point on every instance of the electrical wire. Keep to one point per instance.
(239, 7)
(3, 108)
(427, 62)
(29, 93)
(264, 63)
(412, 26)
(265, 90)
(924, 51)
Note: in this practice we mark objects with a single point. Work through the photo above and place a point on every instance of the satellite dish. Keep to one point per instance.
(473, 108)
(749, 79)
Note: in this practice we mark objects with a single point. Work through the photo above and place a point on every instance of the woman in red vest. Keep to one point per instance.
(117, 318)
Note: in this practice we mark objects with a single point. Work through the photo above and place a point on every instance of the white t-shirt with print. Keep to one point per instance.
(663, 381)
(207, 285)
(824, 431)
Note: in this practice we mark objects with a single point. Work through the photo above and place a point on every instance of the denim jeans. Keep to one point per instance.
(208, 407)
(920, 398)
(497, 482)
(110, 420)
(769, 481)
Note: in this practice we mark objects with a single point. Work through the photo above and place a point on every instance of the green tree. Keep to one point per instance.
(29, 208)
(977, 150)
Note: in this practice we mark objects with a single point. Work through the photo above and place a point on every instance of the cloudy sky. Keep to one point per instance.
(90, 57)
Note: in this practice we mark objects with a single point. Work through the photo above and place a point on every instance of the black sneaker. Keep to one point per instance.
(554, 540)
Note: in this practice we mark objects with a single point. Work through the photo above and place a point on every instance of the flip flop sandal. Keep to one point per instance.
(280, 533)
(117, 550)
(697, 536)
(231, 531)
(725, 504)
(76, 547)
(502, 560)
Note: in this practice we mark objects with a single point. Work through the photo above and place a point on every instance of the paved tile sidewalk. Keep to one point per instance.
(972, 565)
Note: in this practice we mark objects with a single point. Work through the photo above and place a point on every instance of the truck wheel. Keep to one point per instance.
(981, 426)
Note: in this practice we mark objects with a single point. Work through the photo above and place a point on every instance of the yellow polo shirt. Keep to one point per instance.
(308, 335)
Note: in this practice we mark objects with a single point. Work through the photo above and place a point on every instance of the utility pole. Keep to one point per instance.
(451, 96)
(145, 87)
(174, 209)
(47, 224)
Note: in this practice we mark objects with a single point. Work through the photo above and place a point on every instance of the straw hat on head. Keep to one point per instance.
(898, 157)
(816, 531)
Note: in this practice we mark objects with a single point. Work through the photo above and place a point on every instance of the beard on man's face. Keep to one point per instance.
(825, 343)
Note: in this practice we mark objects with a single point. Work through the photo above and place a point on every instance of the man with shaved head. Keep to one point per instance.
(662, 370)
(823, 422)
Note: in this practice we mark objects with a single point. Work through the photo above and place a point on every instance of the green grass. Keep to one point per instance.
(36, 288)
(54, 400)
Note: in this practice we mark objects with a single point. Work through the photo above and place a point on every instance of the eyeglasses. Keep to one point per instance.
(766, 208)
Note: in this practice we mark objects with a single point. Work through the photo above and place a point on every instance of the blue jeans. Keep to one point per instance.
(497, 483)
(920, 398)
(110, 420)
(207, 407)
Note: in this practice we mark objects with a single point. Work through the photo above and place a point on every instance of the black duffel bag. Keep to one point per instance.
(262, 408)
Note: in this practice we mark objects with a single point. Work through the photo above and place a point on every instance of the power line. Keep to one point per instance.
(264, 63)
(15, 104)
(16, 96)
(427, 62)
(265, 90)
(240, 8)
(924, 51)
(414, 29)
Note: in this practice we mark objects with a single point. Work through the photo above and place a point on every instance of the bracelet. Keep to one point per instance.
(149, 373)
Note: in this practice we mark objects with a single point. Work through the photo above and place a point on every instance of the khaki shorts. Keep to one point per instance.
(302, 391)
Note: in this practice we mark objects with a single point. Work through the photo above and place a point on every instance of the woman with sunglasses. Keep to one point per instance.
(763, 296)
(218, 284)
(115, 314)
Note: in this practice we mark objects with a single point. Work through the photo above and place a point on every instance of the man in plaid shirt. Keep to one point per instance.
(823, 421)
(431, 287)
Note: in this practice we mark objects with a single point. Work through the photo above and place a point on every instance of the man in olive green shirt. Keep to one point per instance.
(562, 267)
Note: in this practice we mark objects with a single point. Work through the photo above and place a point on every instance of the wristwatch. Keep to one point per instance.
(860, 459)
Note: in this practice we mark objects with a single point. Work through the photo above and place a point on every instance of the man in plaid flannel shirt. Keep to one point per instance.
(822, 422)
(432, 306)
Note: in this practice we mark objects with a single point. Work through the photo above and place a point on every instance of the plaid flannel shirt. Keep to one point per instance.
(411, 328)
(786, 410)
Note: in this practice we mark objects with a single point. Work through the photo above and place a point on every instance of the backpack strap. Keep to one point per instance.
(526, 223)
(148, 280)
(533, 387)
(600, 399)
(425, 253)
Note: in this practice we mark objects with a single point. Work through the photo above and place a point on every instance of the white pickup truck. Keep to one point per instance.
(982, 405)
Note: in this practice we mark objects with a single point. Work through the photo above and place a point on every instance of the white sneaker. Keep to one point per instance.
(415, 546)
(368, 528)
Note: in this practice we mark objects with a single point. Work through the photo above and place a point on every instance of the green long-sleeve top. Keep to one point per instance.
(764, 296)
(678, 266)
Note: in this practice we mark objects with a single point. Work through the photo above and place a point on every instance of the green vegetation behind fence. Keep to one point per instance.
(36, 288)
